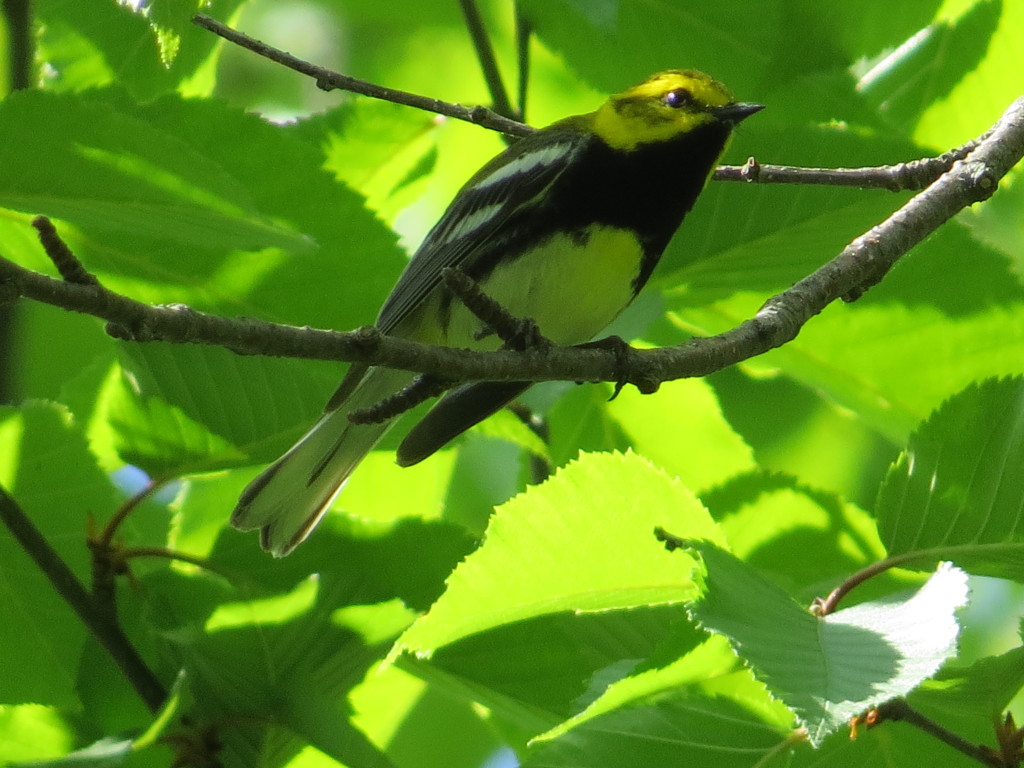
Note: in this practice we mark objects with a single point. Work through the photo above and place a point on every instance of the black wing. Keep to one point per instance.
(476, 216)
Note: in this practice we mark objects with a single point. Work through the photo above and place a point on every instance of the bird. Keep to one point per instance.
(562, 228)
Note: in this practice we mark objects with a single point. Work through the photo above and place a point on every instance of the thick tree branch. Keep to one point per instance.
(860, 265)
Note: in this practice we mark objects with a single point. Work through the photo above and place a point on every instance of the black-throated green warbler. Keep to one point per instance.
(564, 227)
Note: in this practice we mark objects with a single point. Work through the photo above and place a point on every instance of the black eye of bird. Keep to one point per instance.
(678, 98)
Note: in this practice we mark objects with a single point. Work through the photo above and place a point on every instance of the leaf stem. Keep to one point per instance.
(899, 709)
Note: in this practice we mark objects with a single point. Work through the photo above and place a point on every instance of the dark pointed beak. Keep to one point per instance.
(734, 113)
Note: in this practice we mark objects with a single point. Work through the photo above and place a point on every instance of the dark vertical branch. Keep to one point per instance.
(523, 31)
(18, 17)
(20, 57)
(109, 634)
(488, 62)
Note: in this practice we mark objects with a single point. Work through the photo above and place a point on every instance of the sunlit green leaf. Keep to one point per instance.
(956, 490)
(830, 669)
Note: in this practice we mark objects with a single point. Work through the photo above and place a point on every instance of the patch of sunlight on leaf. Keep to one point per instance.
(984, 92)
(830, 669)
(32, 732)
(587, 535)
(382, 490)
(374, 623)
(710, 663)
(955, 492)
(271, 610)
(681, 428)
(382, 701)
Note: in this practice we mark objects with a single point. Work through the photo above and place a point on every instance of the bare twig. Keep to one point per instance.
(899, 709)
(488, 62)
(423, 388)
(17, 16)
(915, 174)
(108, 561)
(517, 333)
(63, 259)
(108, 633)
(20, 45)
(129, 506)
(328, 80)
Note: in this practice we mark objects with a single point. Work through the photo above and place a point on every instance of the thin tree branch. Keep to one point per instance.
(859, 266)
(70, 268)
(108, 561)
(899, 709)
(328, 80)
(488, 62)
(109, 634)
(423, 388)
(915, 174)
(912, 175)
(517, 333)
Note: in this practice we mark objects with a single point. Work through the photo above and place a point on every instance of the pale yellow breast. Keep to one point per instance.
(571, 289)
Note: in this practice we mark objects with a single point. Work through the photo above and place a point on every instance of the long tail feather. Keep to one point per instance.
(287, 499)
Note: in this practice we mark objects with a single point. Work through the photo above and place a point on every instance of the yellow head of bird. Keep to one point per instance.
(664, 106)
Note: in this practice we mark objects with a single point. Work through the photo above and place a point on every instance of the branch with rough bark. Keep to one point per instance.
(864, 262)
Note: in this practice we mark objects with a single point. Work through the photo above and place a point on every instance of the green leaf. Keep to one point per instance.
(956, 490)
(113, 170)
(684, 729)
(312, 637)
(968, 700)
(831, 669)
(48, 471)
(180, 408)
(32, 732)
(925, 68)
(682, 430)
(173, 202)
(983, 92)
(90, 45)
(709, 667)
(105, 753)
(850, 355)
(806, 540)
(538, 672)
(587, 534)
(397, 709)
(616, 44)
